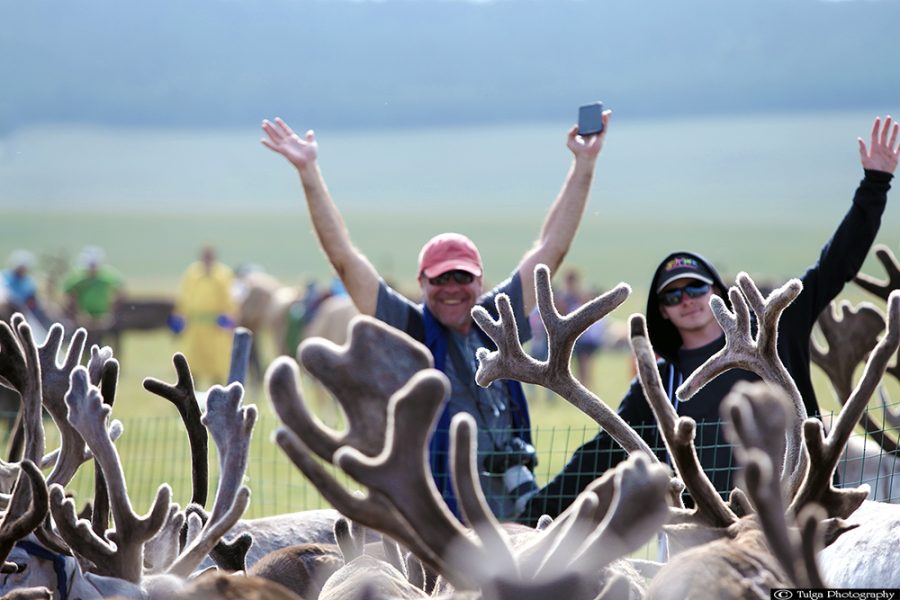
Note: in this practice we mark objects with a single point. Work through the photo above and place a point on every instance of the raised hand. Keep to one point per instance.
(883, 150)
(301, 152)
(588, 146)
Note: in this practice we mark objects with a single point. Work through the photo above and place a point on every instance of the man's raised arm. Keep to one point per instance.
(565, 214)
(356, 272)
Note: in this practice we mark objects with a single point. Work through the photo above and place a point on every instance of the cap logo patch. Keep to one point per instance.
(682, 262)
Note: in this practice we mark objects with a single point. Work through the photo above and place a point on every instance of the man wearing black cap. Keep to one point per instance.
(684, 334)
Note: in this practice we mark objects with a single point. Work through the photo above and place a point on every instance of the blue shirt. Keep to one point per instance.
(491, 407)
(19, 289)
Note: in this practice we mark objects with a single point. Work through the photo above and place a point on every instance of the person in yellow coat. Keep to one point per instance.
(204, 315)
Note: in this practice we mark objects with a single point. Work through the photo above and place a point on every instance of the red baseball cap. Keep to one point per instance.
(449, 252)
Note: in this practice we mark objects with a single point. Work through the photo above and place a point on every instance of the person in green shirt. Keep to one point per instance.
(92, 292)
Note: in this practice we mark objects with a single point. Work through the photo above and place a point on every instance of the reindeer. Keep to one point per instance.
(265, 306)
(397, 362)
(754, 540)
(91, 560)
(574, 556)
(883, 289)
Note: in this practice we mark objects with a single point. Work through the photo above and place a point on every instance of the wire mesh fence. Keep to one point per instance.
(155, 451)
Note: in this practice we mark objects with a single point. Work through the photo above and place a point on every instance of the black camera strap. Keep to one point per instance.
(483, 399)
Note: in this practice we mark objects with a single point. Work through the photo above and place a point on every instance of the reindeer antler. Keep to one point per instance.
(403, 502)
(850, 339)
(474, 506)
(183, 396)
(161, 550)
(880, 288)
(571, 528)
(824, 453)
(812, 541)
(633, 510)
(231, 426)
(241, 345)
(229, 555)
(122, 556)
(637, 512)
(9, 471)
(756, 424)
(20, 367)
(756, 420)
(510, 361)
(677, 432)
(27, 509)
(363, 391)
(741, 351)
(401, 489)
(108, 382)
(759, 355)
(55, 384)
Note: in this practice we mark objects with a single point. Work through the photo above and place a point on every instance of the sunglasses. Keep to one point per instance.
(460, 277)
(674, 297)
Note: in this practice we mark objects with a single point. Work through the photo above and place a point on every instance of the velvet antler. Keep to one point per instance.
(27, 509)
(401, 490)
(850, 339)
(759, 354)
(757, 419)
(183, 396)
(122, 555)
(403, 502)
(677, 432)
(231, 426)
(510, 361)
(55, 383)
(880, 288)
(362, 375)
(824, 453)
(20, 368)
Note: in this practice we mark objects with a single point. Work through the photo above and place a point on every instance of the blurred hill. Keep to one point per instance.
(346, 64)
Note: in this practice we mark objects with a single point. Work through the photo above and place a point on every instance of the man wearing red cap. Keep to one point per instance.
(450, 276)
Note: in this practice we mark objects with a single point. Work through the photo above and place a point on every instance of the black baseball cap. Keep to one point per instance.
(683, 266)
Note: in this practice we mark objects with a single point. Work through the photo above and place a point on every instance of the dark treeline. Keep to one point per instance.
(224, 63)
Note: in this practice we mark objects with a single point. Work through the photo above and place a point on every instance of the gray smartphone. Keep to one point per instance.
(590, 119)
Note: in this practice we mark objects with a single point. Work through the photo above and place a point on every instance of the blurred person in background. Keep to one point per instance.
(204, 316)
(451, 280)
(588, 343)
(20, 290)
(93, 290)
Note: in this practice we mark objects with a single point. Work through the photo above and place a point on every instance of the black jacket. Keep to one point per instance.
(840, 260)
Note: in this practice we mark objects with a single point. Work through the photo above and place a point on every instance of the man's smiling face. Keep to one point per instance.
(450, 299)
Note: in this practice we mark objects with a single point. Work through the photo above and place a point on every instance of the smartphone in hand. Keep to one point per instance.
(590, 119)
